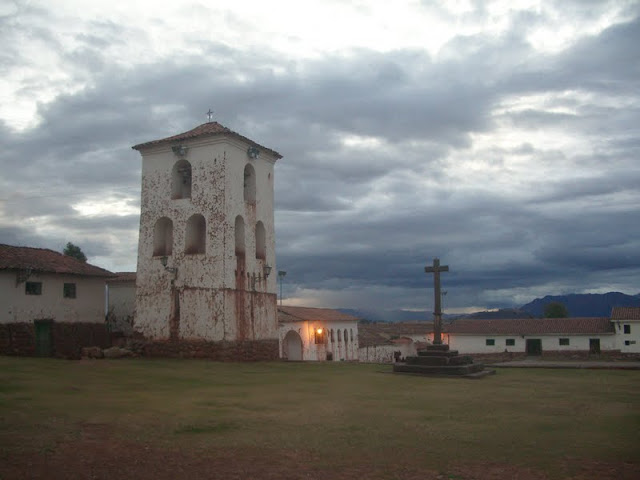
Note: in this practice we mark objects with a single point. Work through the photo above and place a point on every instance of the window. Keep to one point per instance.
(510, 342)
(339, 338)
(351, 334)
(319, 335)
(629, 342)
(563, 341)
(239, 236)
(490, 341)
(249, 184)
(69, 290)
(163, 237)
(333, 338)
(261, 250)
(627, 328)
(33, 288)
(196, 235)
(346, 336)
(181, 180)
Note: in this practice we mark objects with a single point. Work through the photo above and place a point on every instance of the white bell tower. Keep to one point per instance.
(206, 253)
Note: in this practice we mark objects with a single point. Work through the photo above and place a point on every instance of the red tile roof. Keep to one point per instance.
(123, 277)
(384, 333)
(46, 261)
(625, 313)
(531, 326)
(302, 314)
(209, 129)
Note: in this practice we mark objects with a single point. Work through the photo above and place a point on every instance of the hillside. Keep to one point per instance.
(584, 305)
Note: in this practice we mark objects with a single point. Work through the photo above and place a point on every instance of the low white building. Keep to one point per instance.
(38, 283)
(533, 336)
(317, 334)
(50, 303)
(626, 321)
(391, 342)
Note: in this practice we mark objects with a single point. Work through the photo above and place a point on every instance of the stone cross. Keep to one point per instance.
(437, 312)
(210, 114)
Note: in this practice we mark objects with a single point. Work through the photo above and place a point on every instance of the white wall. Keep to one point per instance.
(477, 343)
(121, 304)
(340, 350)
(385, 353)
(17, 306)
(628, 342)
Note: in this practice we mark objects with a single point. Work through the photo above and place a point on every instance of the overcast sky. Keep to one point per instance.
(501, 137)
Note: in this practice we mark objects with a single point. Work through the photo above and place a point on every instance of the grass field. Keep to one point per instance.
(198, 419)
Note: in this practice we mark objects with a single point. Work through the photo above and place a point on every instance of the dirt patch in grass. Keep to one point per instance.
(97, 455)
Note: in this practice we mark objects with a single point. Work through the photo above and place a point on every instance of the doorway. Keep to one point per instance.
(594, 345)
(292, 346)
(44, 340)
(534, 346)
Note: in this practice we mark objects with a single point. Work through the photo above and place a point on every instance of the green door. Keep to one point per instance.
(44, 347)
(534, 346)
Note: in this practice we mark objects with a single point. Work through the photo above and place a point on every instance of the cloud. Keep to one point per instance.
(511, 156)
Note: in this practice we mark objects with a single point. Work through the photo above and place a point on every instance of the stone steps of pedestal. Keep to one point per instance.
(438, 353)
(439, 369)
(441, 360)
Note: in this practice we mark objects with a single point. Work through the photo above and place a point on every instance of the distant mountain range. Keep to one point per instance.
(579, 305)
(584, 305)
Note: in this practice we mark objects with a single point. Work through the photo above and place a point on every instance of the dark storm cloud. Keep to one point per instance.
(366, 193)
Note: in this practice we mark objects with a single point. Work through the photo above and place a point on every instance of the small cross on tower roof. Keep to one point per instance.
(210, 114)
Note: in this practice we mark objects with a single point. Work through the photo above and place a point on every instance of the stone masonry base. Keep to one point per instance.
(67, 339)
(226, 351)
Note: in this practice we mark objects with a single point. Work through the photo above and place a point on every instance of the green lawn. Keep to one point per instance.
(546, 420)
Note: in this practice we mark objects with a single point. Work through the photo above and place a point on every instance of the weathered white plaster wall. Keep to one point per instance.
(385, 353)
(477, 343)
(628, 342)
(340, 350)
(218, 298)
(17, 306)
(121, 304)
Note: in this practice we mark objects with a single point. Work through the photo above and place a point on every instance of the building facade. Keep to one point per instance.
(52, 304)
(626, 321)
(207, 239)
(392, 342)
(533, 336)
(317, 334)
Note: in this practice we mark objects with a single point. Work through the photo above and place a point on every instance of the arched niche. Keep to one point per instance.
(196, 235)
(249, 184)
(181, 180)
(163, 237)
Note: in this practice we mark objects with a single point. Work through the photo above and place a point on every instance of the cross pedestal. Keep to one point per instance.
(437, 359)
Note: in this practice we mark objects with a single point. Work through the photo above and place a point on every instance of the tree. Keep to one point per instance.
(74, 251)
(555, 310)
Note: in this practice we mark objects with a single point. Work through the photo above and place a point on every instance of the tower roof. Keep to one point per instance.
(209, 129)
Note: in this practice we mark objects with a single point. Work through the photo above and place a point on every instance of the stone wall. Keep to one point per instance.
(17, 339)
(229, 351)
(67, 339)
